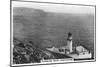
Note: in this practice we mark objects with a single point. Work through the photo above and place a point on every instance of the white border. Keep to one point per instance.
(53, 62)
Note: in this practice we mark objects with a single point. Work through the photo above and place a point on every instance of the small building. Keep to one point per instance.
(81, 50)
(54, 49)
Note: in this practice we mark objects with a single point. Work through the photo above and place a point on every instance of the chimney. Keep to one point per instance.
(69, 42)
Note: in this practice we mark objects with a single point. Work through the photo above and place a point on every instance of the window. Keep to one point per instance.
(61, 50)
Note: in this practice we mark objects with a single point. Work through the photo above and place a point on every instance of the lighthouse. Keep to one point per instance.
(69, 42)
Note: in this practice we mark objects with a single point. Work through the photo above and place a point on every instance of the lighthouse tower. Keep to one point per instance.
(69, 42)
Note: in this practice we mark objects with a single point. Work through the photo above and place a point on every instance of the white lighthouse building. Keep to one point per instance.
(69, 42)
(79, 53)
